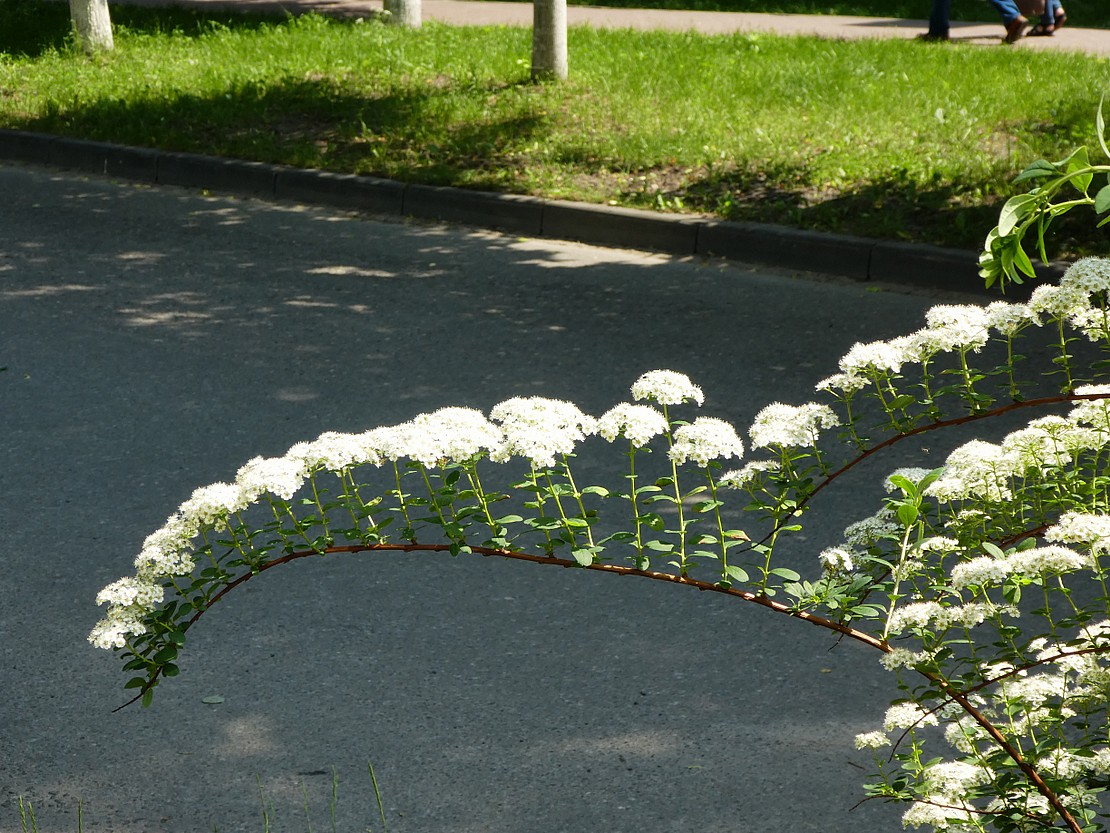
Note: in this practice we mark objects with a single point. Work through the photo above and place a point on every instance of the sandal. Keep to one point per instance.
(1061, 19)
(1016, 30)
(1041, 31)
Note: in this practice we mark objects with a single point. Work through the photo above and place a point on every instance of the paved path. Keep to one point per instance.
(156, 339)
(460, 12)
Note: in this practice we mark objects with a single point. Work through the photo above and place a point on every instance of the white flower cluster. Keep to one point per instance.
(636, 423)
(904, 658)
(705, 439)
(836, 560)
(1080, 528)
(987, 570)
(1088, 275)
(538, 429)
(917, 615)
(667, 387)
(977, 469)
(869, 531)
(872, 740)
(907, 715)
(745, 476)
(965, 327)
(791, 426)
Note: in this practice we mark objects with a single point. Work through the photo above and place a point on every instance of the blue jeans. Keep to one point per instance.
(938, 18)
(1008, 9)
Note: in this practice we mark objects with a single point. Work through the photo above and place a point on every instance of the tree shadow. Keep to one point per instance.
(313, 123)
(31, 28)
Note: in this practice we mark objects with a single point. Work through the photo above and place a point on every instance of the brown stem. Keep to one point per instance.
(617, 569)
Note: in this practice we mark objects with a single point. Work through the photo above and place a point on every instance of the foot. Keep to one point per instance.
(1061, 18)
(932, 37)
(1016, 30)
(1041, 31)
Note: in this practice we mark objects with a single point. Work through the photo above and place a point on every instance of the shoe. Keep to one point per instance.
(1061, 19)
(930, 37)
(1041, 31)
(1016, 30)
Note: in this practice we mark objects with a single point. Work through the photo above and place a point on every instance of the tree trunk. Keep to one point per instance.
(549, 40)
(92, 24)
(403, 13)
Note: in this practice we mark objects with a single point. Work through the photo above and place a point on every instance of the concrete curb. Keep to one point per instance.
(858, 258)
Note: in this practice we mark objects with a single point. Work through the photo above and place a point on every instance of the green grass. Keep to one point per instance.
(882, 138)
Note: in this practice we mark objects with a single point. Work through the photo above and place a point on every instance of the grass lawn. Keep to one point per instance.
(891, 139)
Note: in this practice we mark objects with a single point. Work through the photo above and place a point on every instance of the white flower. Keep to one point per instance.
(1088, 274)
(667, 387)
(1034, 447)
(907, 716)
(638, 424)
(870, 531)
(844, 382)
(1009, 319)
(956, 327)
(277, 475)
(168, 550)
(954, 778)
(1051, 559)
(705, 439)
(214, 502)
(836, 559)
(747, 474)
(875, 357)
(332, 451)
(1081, 528)
(1094, 412)
(112, 631)
(934, 812)
(939, 543)
(1057, 301)
(538, 429)
(790, 425)
(976, 469)
(915, 615)
(872, 740)
(131, 591)
(980, 572)
(903, 658)
(458, 434)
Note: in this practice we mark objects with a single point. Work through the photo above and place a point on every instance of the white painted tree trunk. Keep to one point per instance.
(549, 39)
(403, 12)
(92, 24)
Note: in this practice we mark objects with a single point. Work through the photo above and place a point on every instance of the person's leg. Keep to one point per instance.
(938, 20)
(1007, 9)
(1012, 19)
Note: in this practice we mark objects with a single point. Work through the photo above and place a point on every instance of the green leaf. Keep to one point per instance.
(1102, 200)
(783, 572)
(1079, 161)
(993, 549)
(167, 654)
(1021, 260)
(1014, 211)
(148, 696)
(135, 682)
(584, 557)
(736, 572)
(1040, 168)
(658, 546)
(907, 514)
(600, 491)
(508, 519)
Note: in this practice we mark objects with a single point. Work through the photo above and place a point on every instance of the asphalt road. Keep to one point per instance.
(155, 339)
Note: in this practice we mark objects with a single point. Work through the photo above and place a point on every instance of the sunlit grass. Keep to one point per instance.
(883, 138)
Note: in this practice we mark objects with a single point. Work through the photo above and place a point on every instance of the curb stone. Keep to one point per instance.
(858, 258)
